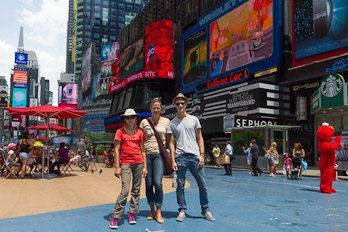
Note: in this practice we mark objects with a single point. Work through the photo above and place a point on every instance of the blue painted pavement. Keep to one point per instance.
(239, 202)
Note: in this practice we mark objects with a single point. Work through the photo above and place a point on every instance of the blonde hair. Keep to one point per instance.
(156, 100)
(274, 143)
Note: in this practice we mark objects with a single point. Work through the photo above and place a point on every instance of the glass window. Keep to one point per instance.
(97, 2)
(96, 35)
(106, 3)
(114, 105)
(97, 8)
(139, 96)
(121, 98)
(128, 98)
(96, 15)
(121, 5)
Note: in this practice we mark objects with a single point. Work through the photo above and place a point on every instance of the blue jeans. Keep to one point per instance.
(190, 162)
(154, 178)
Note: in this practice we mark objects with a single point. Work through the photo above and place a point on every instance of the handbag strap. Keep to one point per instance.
(158, 138)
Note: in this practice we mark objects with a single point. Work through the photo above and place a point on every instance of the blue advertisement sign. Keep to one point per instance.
(218, 48)
(20, 85)
(21, 58)
(319, 26)
(20, 69)
(19, 97)
(61, 139)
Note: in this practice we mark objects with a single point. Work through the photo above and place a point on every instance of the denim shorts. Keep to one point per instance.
(23, 155)
(271, 160)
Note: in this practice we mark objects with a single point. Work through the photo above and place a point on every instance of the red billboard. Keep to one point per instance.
(159, 42)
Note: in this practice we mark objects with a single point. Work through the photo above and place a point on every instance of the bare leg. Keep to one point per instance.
(24, 167)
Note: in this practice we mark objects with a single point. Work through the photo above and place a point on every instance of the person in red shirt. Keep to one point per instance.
(129, 147)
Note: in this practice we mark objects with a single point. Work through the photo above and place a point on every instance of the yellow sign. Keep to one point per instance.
(73, 33)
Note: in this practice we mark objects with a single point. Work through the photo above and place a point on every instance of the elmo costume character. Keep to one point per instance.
(327, 156)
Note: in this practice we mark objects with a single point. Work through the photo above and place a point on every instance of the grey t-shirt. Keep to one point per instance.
(81, 146)
(185, 134)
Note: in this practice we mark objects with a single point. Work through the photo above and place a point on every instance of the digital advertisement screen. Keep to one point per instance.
(106, 70)
(159, 45)
(86, 69)
(109, 52)
(68, 95)
(319, 26)
(19, 97)
(132, 59)
(195, 57)
(234, 37)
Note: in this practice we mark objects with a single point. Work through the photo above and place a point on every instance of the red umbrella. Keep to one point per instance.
(46, 111)
(53, 127)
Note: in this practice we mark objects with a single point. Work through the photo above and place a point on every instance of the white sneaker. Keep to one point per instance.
(208, 216)
(250, 173)
(181, 216)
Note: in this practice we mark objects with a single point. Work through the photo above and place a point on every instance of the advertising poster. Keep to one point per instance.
(33, 103)
(241, 37)
(342, 152)
(19, 97)
(21, 58)
(61, 139)
(103, 86)
(109, 52)
(20, 77)
(230, 43)
(68, 95)
(106, 70)
(159, 45)
(132, 59)
(86, 69)
(319, 26)
(195, 57)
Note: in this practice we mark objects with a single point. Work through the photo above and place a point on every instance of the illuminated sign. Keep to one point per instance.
(19, 97)
(234, 36)
(139, 76)
(159, 43)
(21, 58)
(68, 96)
(109, 52)
(115, 122)
(223, 81)
(20, 77)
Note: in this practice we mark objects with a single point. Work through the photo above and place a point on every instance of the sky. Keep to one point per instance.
(44, 24)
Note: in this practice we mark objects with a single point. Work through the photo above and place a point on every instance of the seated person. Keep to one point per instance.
(33, 159)
(13, 158)
(76, 158)
(63, 154)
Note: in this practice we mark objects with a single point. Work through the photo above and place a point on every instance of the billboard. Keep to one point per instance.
(61, 139)
(97, 90)
(106, 70)
(103, 86)
(235, 37)
(110, 51)
(32, 103)
(132, 59)
(20, 77)
(19, 98)
(68, 95)
(86, 69)
(319, 28)
(159, 45)
(21, 58)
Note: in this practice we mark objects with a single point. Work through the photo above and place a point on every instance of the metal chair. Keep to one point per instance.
(6, 167)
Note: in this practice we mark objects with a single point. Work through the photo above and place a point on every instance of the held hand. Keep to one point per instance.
(201, 161)
(174, 166)
(144, 172)
(118, 172)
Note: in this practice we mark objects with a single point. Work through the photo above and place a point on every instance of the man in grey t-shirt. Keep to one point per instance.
(189, 154)
(81, 150)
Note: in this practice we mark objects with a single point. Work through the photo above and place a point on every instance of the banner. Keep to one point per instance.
(21, 58)
(62, 139)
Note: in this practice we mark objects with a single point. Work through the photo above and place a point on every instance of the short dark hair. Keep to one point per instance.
(25, 135)
(62, 145)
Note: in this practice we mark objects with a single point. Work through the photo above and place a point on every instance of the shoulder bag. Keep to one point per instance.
(167, 163)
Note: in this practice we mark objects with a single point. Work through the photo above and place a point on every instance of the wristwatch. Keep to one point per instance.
(202, 153)
(322, 17)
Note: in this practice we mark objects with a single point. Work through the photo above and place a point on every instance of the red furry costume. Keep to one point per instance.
(327, 157)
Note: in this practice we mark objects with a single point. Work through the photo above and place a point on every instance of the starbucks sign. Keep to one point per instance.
(331, 85)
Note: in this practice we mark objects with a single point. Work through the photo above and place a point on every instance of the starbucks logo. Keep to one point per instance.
(331, 85)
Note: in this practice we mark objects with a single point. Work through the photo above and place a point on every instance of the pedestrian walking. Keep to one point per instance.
(229, 152)
(154, 158)
(188, 155)
(129, 146)
(25, 146)
(247, 151)
(254, 151)
(273, 156)
(216, 153)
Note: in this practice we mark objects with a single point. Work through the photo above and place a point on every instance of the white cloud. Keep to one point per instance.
(6, 60)
(47, 22)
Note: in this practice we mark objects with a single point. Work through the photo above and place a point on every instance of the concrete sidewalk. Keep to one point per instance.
(310, 172)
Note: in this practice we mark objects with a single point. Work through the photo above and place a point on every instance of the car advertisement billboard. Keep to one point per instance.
(319, 28)
(235, 37)
(68, 95)
(109, 52)
(132, 59)
(159, 45)
(86, 69)
(19, 98)
(21, 58)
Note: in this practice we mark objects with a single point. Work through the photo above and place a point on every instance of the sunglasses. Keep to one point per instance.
(129, 117)
(180, 103)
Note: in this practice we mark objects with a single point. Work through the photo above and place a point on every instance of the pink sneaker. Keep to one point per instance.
(113, 223)
(131, 219)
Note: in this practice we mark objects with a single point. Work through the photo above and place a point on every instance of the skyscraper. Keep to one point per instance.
(69, 66)
(100, 22)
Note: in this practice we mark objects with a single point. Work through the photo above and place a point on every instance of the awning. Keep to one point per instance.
(276, 127)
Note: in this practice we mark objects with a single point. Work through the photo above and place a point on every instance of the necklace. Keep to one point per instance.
(156, 122)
